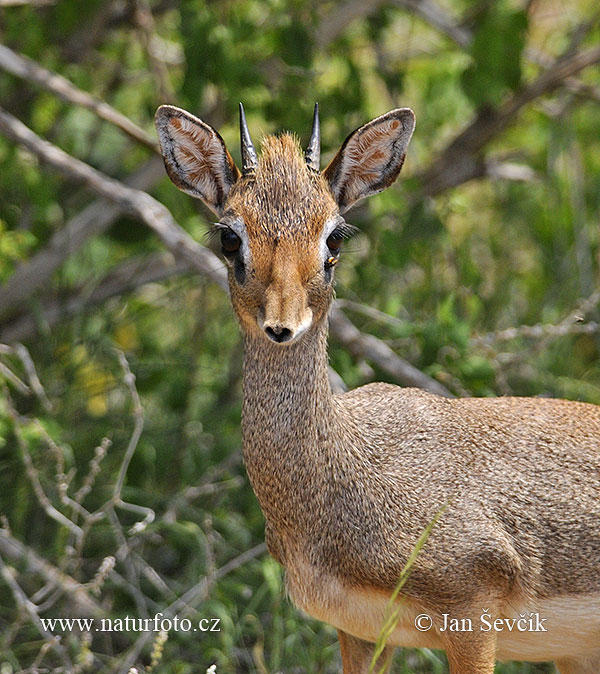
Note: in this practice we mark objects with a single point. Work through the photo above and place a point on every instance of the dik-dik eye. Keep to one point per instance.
(334, 240)
(230, 242)
(334, 245)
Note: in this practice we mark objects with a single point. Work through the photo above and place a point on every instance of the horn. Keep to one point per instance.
(313, 151)
(249, 160)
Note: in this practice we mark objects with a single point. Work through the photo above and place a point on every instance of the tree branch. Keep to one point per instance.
(74, 591)
(123, 279)
(189, 600)
(29, 70)
(379, 353)
(25, 604)
(460, 161)
(96, 218)
(144, 20)
(138, 203)
(438, 18)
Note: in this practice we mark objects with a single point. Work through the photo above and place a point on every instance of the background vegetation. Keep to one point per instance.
(125, 495)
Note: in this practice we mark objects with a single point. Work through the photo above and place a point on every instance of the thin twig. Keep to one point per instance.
(33, 475)
(145, 22)
(438, 18)
(138, 416)
(10, 376)
(572, 324)
(537, 331)
(188, 601)
(124, 278)
(342, 15)
(73, 591)
(94, 468)
(24, 604)
(34, 381)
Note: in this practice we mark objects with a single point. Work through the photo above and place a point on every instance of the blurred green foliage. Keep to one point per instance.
(518, 246)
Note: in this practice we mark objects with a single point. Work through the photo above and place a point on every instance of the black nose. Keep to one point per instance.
(279, 334)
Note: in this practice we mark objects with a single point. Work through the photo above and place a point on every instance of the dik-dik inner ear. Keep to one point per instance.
(370, 158)
(195, 156)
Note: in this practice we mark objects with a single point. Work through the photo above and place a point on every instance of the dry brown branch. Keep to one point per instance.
(124, 551)
(573, 84)
(194, 491)
(573, 324)
(338, 385)
(138, 416)
(62, 480)
(460, 161)
(89, 480)
(108, 509)
(125, 559)
(151, 212)
(366, 346)
(11, 377)
(34, 381)
(506, 170)
(110, 14)
(438, 18)
(371, 312)
(24, 67)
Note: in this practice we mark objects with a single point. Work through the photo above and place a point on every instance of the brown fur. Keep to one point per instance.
(284, 208)
(348, 483)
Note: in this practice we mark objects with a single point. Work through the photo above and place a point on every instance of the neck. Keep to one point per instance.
(287, 411)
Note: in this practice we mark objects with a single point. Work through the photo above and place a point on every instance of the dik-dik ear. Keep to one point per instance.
(195, 156)
(370, 158)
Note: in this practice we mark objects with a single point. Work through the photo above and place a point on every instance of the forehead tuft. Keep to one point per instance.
(283, 197)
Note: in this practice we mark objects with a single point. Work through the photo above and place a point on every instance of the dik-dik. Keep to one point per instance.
(348, 483)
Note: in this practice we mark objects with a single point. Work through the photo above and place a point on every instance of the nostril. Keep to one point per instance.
(279, 333)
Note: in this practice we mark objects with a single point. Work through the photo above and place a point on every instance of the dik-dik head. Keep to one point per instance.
(280, 221)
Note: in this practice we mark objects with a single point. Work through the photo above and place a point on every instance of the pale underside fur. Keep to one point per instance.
(572, 622)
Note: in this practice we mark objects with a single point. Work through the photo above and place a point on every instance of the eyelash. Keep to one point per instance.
(334, 242)
(345, 231)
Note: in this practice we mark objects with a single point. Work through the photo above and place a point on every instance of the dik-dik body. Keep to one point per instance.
(348, 483)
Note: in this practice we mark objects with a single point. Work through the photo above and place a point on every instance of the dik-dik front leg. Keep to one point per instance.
(471, 653)
(357, 655)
